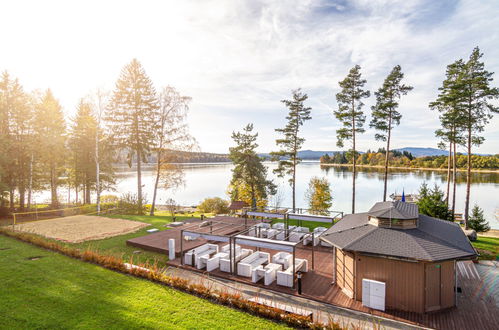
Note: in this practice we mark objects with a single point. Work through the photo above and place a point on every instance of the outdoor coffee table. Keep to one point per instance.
(270, 269)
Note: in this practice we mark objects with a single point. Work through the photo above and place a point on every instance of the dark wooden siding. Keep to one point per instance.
(404, 281)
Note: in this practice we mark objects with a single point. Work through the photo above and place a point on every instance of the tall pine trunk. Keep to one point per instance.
(30, 181)
(53, 186)
(294, 182)
(449, 161)
(97, 166)
(354, 158)
(468, 176)
(387, 155)
(139, 181)
(156, 183)
(454, 172)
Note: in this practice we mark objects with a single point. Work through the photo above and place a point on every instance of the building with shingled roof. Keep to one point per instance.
(414, 255)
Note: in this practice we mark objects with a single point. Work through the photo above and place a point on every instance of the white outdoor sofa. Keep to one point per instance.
(297, 234)
(225, 262)
(268, 273)
(192, 256)
(317, 232)
(246, 266)
(286, 277)
(214, 262)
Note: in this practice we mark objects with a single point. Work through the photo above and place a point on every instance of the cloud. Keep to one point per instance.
(238, 59)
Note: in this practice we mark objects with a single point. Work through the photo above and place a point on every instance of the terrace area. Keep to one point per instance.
(476, 306)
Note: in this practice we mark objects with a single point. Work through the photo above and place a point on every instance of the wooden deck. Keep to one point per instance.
(476, 308)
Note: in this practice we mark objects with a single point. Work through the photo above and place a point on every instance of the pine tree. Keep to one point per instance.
(451, 118)
(350, 114)
(82, 145)
(249, 176)
(319, 196)
(477, 95)
(50, 130)
(477, 221)
(431, 202)
(133, 117)
(385, 114)
(291, 143)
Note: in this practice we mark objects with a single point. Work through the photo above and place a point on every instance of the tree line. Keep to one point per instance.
(42, 149)
(406, 159)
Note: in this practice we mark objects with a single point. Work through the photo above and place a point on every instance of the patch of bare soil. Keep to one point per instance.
(80, 228)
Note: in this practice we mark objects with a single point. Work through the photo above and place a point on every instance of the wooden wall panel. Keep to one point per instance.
(404, 281)
(447, 284)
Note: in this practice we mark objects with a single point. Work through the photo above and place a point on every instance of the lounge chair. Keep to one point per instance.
(286, 277)
(192, 256)
(283, 258)
(246, 265)
(225, 262)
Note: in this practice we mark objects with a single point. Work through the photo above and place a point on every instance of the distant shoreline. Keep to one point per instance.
(414, 168)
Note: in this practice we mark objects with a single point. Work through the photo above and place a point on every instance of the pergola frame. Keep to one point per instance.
(258, 242)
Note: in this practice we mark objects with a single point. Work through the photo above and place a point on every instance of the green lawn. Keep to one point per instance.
(488, 247)
(58, 292)
(116, 246)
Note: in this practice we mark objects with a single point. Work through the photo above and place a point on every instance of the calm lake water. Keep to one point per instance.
(210, 180)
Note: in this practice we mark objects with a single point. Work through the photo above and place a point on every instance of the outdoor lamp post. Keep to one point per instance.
(298, 276)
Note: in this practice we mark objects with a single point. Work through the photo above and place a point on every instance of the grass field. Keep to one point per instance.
(488, 247)
(55, 291)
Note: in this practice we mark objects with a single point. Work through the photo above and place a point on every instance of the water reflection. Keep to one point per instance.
(205, 180)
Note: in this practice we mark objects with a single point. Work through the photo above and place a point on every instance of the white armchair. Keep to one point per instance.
(214, 262)
(192, 256)
(282, 234)
(283, 258)
(225, 262)
(245, 266)
(286, 277)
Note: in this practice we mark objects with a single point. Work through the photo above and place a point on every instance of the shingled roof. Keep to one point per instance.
(394, 210)
(433, 240)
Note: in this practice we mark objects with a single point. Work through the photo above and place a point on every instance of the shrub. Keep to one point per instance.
(111, 199)
(214, 205)
(129, 204)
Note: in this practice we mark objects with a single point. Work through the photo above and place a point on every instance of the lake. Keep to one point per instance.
(210, 180)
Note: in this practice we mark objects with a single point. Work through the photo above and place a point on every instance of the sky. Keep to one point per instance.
(239, 59)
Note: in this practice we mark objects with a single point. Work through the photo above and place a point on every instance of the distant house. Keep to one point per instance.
(412, 254)
(237, 206)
